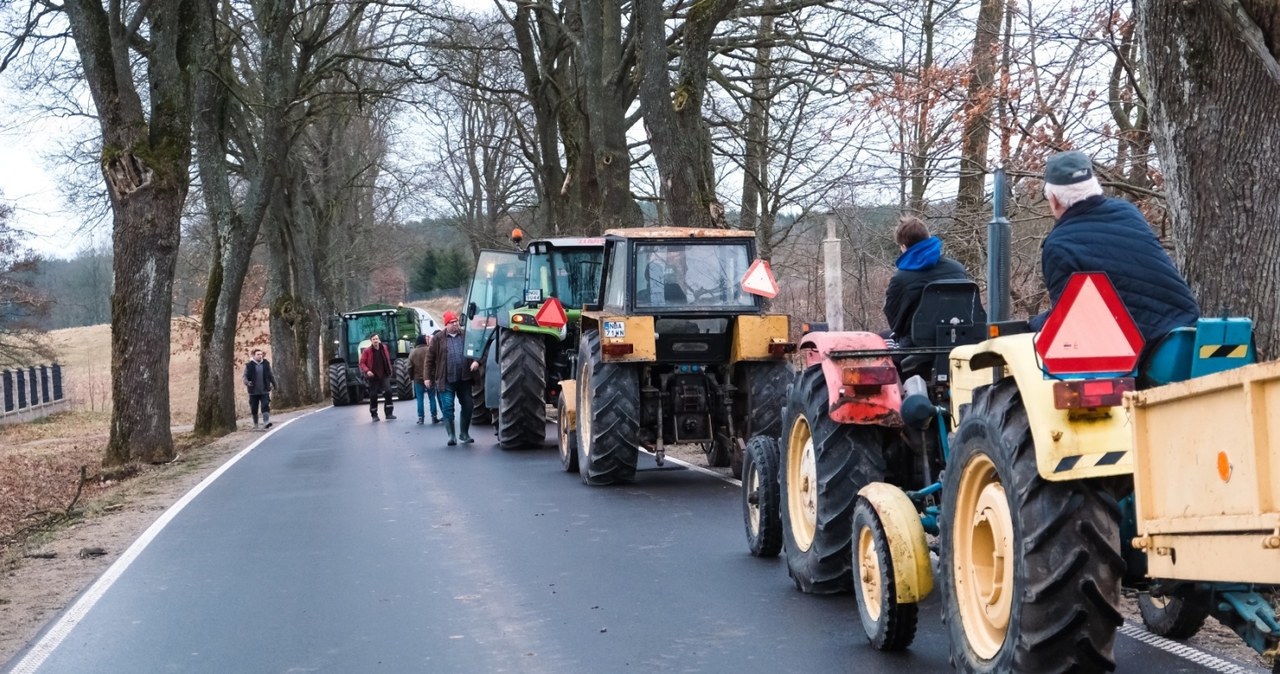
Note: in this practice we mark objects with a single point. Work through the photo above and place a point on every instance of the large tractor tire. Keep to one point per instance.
(567, 438)
(339, 390)
(608, 416)
(481, 413)
(1030, 569)
(1178, 612)
(762, 390)
(522, 411)
(824, 464)
(402, 379)
(760, 506)
(889, 625)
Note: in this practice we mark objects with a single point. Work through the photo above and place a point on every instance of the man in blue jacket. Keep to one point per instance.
(1097, 233)
(920, 264)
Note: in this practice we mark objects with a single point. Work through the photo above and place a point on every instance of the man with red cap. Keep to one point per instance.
(448, 370)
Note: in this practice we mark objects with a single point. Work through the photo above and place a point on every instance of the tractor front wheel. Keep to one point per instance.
(338, 386)
(402, 379)
(567, 436)
(1178, 612)
(1030, 569)
(608, 416)
(522, 407)
(760, 497)
(889, 626)
(824, 465)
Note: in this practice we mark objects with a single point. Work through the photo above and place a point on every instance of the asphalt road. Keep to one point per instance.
(341, 545)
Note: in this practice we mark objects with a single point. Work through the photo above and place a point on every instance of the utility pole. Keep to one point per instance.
(831, 268)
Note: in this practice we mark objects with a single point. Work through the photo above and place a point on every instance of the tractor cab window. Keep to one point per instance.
(571, 275)
(615, 295)
(695, 276)
(497, 287)
(359, 327)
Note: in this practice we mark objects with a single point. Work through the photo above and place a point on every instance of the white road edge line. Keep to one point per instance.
(62, 628)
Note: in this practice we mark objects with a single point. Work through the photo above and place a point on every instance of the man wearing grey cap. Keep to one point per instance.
(1098, 233)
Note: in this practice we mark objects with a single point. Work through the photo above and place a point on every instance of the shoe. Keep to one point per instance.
(419, 421)
(255, 425)
(448, 427)
(268, 425)
(375, 418)
(452, 442)
(466, 439)
(390, 416)
(435, 420)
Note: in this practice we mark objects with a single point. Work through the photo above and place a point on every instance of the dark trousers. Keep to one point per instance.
(379, 385)
(259, 400)
(462, 391)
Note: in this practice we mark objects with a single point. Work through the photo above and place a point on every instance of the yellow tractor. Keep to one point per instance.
(678, 350)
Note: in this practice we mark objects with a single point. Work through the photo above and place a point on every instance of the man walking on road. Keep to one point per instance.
(375, 363)
(259, 380)
(418, 369)
(449, 370)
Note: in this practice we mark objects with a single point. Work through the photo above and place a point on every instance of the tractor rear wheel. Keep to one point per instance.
(338, 391)
(608, 416)
(824, 465)
(1030, 569)
(889, 625)
(402, 379)
(1178, 613)
(567, 437)
(762, 391)
(522, 409)
(760, 497)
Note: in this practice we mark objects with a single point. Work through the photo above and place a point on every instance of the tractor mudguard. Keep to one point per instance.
(1068, 446)
(912, 571)
(753, 335)
(866, 405)
(569, 401)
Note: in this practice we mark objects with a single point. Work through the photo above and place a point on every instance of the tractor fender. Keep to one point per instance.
(569, 401)
(881, 407)
(912, 571)
(1068, 446)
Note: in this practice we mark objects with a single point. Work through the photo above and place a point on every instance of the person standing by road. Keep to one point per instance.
(418, 369)
(449, 370)
(259, 380)
(375, 363)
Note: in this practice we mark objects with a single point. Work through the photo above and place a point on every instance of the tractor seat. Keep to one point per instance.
(950, 314)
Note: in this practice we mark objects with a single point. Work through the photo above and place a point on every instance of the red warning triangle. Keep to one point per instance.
(551, 315)
(759, 279)
(1089, 331)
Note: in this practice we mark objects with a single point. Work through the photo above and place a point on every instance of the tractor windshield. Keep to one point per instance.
(571, 275)
(360, 326)
(498, 286)
(692, 276)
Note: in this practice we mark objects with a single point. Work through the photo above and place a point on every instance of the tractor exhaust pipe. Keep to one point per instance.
(998, 235)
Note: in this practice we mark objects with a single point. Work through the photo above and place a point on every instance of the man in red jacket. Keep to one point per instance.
(375, 363)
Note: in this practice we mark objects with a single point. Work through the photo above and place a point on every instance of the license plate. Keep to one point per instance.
(615, 329)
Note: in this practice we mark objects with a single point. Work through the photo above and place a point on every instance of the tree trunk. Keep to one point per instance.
(1219, 143)
(678, 132)
(967, 241)
(145, 160)
(755, 161)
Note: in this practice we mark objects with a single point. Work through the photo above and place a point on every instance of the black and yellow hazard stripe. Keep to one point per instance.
(1089, 461)
(1223, 351)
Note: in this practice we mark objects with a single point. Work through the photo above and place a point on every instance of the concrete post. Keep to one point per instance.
(832, 270)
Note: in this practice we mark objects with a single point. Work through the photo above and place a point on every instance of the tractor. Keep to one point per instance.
(1017, 453)
(522, 326)
(399, 327)
(675, 349)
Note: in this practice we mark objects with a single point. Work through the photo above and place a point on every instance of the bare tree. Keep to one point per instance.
(1218, 144)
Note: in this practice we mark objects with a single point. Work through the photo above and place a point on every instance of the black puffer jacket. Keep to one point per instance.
(919, 266)
(1110, 235)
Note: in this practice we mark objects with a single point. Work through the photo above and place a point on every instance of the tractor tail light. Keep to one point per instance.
(616, 349)
(874, 376)
(1086, 393)
(524, 319)
(781, 348)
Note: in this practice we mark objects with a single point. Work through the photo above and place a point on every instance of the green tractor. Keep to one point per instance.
(522, 326)
(399, 327)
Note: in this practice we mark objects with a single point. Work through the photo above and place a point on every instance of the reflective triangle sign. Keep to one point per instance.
(551, 315)
(1089, 331)
(759, 279)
